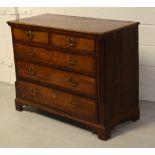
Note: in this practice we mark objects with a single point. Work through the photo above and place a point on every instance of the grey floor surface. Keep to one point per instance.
(37, 129)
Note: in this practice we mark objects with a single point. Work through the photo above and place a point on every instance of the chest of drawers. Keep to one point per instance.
(83, 69)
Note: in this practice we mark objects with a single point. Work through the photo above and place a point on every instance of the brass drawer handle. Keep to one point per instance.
(30, 34)
(74, 103)
(34, 92)
(30, 52)
(72, 41)
(31, 71)
(72, 61)
(73, 81)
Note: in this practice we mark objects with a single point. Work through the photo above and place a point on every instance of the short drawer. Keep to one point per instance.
(31, 35)
(52, 98)
(67, 80)
(80, 63)
(73, 42)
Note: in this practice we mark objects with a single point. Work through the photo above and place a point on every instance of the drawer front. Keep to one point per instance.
(75, 62)
(67, 80)
(31, 35)
(52, 98)
(72, 42)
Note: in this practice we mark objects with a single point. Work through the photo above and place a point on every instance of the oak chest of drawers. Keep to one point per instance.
(83, 69)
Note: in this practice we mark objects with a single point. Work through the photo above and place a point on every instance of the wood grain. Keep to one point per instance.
(34, 36)
(68, 103)
(75, 62)
(73, 23)
(68, 80)
(83, 44)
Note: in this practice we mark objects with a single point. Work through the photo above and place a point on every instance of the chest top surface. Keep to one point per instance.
(73, 23)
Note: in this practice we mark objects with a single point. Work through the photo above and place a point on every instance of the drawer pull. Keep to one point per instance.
(72, 61)
(73, 81)
(30, 35)
(34, 92)
(30, 52)
(31, 71)
(72, 41)
(74, 103)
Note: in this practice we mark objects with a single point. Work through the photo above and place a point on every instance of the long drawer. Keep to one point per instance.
(52, 98)
(67, 80)
(80, 63)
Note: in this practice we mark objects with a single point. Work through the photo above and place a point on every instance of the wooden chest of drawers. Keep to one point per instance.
(83, 69)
